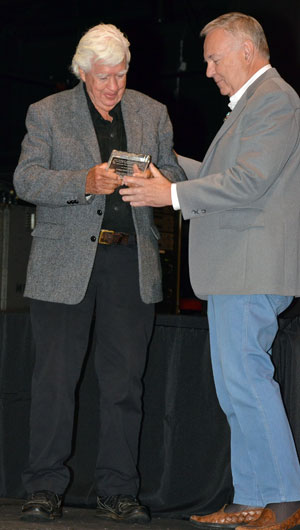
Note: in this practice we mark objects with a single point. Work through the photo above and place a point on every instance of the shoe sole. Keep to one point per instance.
(38, 517)
(216, 526)
(114, 517)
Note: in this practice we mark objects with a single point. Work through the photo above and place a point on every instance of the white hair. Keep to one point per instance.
(105, 43)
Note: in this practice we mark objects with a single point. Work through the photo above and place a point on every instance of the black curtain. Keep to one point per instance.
(184, 451)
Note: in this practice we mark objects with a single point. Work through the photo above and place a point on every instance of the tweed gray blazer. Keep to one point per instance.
(58, 150)
(244, 200)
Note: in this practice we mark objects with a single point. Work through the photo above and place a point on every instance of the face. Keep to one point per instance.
(105, 84)
(224, 54)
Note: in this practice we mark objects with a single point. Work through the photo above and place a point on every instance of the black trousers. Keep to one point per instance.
(123, 327)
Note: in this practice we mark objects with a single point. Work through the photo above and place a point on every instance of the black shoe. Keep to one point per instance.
(42, 505)
(122, 508)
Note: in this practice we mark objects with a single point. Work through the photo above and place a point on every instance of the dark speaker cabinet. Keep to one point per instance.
(16, 224)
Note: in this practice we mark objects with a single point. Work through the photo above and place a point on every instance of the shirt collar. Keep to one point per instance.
(235, 98)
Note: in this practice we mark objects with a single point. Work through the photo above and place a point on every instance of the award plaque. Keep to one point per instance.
(123, 162)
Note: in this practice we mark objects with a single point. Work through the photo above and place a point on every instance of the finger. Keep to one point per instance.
(134, 181)
(131, 190)
(130, 197)
(105, 183)
(104, 169)
(125, 191)
(133, 200)
(108, 179)
(136, 168)
(155, 172)
(137, 204)
(145, 174)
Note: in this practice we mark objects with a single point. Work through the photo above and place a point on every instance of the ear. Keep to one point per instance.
(248, 48)
(82, 74)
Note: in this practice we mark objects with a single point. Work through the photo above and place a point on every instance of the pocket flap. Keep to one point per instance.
(242, 218)
(48, 230)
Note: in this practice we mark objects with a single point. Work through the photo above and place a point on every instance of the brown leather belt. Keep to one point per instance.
(110, 237)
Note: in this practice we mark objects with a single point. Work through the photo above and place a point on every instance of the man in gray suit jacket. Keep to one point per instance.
(243, 202)
(92, 256)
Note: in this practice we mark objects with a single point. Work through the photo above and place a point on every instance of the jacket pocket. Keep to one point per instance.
(242, 219)
(48, 231)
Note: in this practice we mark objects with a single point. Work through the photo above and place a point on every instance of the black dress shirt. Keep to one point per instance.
(112, 135)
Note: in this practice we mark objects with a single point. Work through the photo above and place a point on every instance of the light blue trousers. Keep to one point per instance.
(264, 462)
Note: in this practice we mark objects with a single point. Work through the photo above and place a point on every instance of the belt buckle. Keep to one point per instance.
(101, 235)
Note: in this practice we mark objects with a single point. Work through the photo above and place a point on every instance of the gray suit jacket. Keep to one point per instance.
(244, 201)
(58, 150)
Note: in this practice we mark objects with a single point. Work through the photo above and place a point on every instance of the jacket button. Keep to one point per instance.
(93, 238)
(203, 211)
(99, 212)
(195, 212)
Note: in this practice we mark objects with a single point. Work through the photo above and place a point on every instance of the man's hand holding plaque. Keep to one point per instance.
(143, 191)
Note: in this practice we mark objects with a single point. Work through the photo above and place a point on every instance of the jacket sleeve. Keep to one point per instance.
(190, 166)
(35, 180)
(167, 161)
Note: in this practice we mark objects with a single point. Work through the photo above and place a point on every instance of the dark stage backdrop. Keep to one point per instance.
(184, 452)
(38, 39)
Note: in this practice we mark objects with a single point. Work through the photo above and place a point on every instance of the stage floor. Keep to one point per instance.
(78, 519)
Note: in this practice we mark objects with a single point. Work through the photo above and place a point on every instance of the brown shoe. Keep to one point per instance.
(268, 521)
(222, 519)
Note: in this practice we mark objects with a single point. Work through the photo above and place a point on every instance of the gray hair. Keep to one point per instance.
(104, 42)
(240, 25)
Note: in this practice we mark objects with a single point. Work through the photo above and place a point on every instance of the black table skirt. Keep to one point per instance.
(184, 451)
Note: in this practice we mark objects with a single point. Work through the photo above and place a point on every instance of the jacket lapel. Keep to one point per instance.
(83, 125)
(132, 123)
(226, 125)
(238, 109)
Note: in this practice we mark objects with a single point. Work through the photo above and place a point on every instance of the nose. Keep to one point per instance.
(113, 83)
(210, 69)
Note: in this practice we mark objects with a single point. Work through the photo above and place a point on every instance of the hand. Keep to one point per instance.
(102, 181)
(143, 191)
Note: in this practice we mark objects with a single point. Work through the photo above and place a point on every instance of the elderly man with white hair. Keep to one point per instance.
(93, 257)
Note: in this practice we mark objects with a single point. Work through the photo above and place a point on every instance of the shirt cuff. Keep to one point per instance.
(174, 197)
